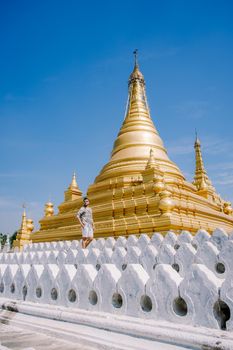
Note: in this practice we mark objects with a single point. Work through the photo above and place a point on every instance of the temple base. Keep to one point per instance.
(143, 208)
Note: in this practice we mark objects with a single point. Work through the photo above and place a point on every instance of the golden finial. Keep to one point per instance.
(73, 191)
(197, 141)
(137, 101)
(136, 75)
(135, 57)
(227, 208)
(151, 161)
(24, 219)
(23, 234)
(24, 207)
(74, 182)
(201, 180)
(27, 224)
(30, 225)
(49, 210)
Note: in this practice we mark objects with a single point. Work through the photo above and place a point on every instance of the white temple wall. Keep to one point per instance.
(184, 279)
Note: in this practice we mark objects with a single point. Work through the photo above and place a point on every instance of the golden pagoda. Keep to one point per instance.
(140, 190)
(24, 233)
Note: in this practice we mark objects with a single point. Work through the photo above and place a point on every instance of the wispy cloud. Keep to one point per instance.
(8, 203)
(192, 109)
(216, 146)
(224, 178)
(180, 149)
(211, 145)
(227, 181)
(182, 146)
(222, 166)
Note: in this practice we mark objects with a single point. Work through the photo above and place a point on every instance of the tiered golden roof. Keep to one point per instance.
(140, 189)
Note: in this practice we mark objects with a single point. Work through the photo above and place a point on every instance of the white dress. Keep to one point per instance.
(85, 215)
(87, 231)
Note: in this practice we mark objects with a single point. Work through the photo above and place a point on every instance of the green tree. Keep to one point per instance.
(3, 238)
(13, 238)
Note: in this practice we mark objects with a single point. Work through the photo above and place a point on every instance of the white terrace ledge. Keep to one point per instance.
(158, 331)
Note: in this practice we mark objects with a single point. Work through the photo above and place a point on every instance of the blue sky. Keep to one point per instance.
(64, 67)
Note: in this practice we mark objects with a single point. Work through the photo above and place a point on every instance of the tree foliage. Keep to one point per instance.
(13, 238)
(3, 239)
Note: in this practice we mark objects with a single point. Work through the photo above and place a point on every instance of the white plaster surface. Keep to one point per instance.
(163, 290)
(157, 239)
(184, 257)
(219, 237)
(148, 258)
(51, 334)
(200, 237)
(200, 289)
(166, 254)
(180, 278)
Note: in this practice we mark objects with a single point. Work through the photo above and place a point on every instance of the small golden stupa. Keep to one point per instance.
(140, 190)
(24, 233)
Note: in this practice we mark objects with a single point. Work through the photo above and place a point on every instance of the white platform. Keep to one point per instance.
(97, 330)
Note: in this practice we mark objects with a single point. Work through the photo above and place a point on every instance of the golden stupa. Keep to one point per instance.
(140, 190)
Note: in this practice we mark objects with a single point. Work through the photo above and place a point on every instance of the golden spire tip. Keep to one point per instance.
(49, 199)
(24, 208)
(74, 182)
(135, 57)
(197, 141)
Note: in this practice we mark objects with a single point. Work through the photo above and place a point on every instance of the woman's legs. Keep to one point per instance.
(84, 242)
(89, 239)
(88, 235)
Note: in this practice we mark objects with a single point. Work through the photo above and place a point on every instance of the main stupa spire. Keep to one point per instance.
(137, 101)
(137, 137)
